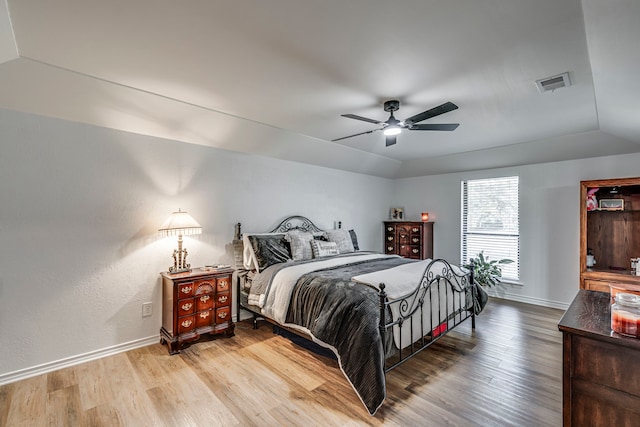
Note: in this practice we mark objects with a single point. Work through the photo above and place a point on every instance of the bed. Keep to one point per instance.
(373, 311)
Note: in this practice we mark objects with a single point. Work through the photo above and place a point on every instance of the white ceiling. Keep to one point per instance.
(272, 77)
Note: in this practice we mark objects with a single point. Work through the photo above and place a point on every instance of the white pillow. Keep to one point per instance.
(342, 238)
(320, 248)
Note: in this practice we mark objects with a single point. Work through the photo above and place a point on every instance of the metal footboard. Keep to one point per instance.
(445, 295)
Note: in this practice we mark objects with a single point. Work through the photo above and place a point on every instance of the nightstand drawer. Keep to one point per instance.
(223, 315)
(223, 283)
(186, 289)
(204, 302)
(186, 324)
(186, 306)
(223, 299)
(203, 318)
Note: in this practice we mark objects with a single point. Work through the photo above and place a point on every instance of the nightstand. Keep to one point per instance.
(194, 303)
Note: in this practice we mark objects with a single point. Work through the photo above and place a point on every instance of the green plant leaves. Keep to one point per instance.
(487, 272)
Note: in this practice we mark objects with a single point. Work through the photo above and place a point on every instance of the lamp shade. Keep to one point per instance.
(180, 224)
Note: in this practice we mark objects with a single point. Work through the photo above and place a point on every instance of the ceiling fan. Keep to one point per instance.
(393, 126)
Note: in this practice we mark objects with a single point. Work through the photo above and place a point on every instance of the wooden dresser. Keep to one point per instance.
(195, 303)
(600, 375)
(409, 239)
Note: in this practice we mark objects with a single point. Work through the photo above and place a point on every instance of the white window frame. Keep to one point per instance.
(491, 222)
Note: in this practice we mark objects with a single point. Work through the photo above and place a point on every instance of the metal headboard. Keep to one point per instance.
(296, 222)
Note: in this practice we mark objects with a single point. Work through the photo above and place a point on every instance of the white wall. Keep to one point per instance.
(80, 206)
(549, 219)
(79, 212)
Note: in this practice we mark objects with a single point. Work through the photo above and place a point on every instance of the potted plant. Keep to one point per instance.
(487, 272)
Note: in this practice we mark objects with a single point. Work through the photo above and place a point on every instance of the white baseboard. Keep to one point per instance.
(528, 300)
(76, 360)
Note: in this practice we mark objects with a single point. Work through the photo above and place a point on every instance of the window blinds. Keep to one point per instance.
(491, 221)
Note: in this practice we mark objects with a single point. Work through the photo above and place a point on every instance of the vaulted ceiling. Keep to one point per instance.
(273, 77)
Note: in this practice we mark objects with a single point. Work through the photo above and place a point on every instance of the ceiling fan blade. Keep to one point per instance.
(435, 111)
(364, 119)
(435, 126)
(351, 136)
(391, 140)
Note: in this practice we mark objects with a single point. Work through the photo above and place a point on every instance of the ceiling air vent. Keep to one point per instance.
(552, 83)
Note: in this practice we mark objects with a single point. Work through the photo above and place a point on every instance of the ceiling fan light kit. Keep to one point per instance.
(392, 130)
(393, 126)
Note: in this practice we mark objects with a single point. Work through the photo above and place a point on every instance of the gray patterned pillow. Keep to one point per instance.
(320, 248)
(269, 250)
(342, 238)
(300, 242)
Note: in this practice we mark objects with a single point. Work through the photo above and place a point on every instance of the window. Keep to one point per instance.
(490, 222)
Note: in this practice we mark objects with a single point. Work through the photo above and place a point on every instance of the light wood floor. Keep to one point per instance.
(507, 372)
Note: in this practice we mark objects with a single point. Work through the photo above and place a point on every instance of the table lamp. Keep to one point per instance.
(180, 223)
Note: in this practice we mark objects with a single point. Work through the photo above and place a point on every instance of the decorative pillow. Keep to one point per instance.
(249, 261)
(342, 238)
(320, 248)
(300, 242)
(269, 250)
(354, 240)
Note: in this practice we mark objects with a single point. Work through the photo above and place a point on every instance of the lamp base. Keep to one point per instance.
(178, 270)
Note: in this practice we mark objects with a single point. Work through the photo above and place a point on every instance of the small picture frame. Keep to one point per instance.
(396, 214)
(611, 204)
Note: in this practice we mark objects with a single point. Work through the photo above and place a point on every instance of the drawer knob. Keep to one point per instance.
(186, 323)
(415, 230)
(222, 314)
(205, 298)
(186, 290)
(222, 284)
(204, 314)
(390, 228)
(415, 240)
(223, 298)
(389, 248)
(187, 306)
(415, 251)
(390, 238)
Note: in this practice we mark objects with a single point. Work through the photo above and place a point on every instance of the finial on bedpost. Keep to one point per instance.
(236, 234)
(383, 299)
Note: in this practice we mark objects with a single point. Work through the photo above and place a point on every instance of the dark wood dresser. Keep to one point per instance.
(409, 239)
(195, 303)
(601, 371)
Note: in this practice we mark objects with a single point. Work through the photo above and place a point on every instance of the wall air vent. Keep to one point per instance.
(552, 83)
